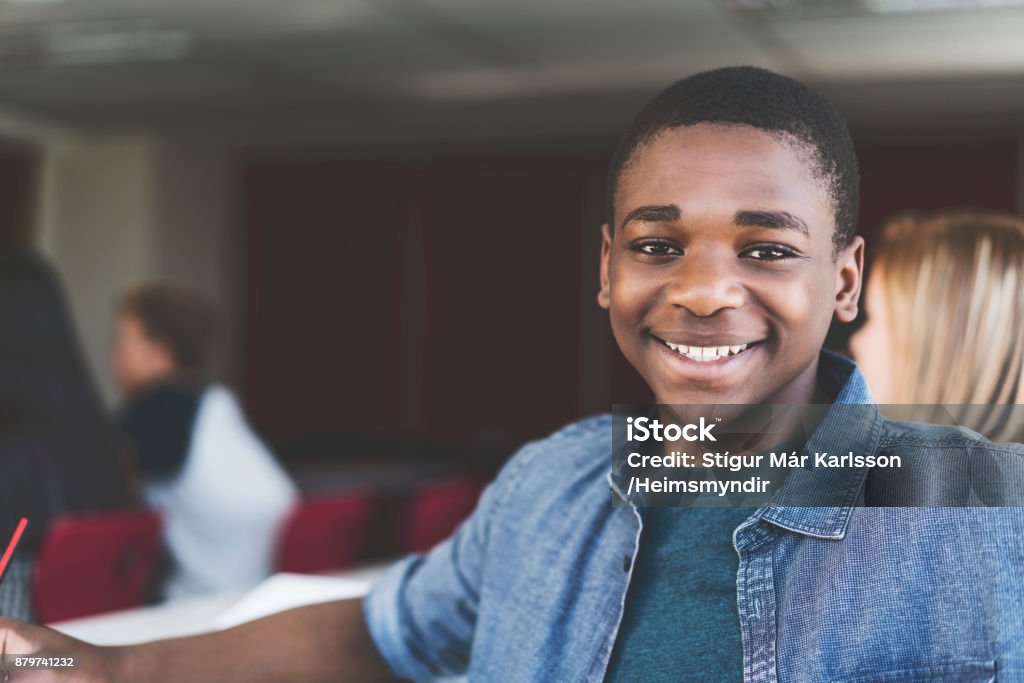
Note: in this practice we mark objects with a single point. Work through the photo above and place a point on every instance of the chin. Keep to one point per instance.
(703, 396)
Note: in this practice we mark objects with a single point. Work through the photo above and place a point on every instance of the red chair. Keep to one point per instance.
(324, 533)
(88, 564)
(436, 509)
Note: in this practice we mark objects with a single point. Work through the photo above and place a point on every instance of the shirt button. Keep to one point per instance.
(627, 562)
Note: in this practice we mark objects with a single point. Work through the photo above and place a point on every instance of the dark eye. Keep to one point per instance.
(769, 252)
(655, 248)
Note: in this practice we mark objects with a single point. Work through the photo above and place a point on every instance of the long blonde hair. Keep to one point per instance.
(953, 284)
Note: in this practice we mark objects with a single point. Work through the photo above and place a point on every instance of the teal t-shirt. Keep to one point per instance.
(681, 620)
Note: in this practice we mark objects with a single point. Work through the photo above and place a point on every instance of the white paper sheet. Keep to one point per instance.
(285, 591)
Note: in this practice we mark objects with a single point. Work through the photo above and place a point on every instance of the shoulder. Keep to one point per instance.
(217, 404)
(218, 394)
(579, 452)
(159, 423)
(222, 428)
(163, 404)
(579, 438)
(912, 435)
(946, 465)
(578, 445)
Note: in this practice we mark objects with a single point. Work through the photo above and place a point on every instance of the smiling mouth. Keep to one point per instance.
(706, 354)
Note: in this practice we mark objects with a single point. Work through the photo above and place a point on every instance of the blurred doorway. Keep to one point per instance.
(19, 167)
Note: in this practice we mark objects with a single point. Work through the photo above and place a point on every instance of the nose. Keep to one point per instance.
(704, 285)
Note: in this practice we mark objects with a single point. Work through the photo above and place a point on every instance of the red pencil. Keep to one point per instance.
(11, 546)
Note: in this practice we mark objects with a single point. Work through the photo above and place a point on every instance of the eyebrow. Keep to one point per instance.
(779, 220)
(660, 213)
(669, 213)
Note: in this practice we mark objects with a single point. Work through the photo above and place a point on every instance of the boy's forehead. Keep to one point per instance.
(725, 168)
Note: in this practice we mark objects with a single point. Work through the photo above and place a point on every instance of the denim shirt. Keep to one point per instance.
(533, 585)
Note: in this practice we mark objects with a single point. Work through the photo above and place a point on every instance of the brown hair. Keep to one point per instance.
(953, 283)
(178, 318)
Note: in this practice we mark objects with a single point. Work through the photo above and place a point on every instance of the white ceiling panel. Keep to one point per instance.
(608, 33)
(949, 44)
(430, 70)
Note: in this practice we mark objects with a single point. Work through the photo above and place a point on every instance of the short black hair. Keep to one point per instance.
(747, 95)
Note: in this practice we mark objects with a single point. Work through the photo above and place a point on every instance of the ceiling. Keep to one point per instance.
(380, 72)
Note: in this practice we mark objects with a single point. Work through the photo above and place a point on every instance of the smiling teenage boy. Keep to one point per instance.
(729, 251)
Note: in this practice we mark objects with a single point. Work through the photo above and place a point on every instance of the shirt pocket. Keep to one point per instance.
(957, 672)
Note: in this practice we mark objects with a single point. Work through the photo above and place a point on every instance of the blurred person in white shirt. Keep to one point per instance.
(222, 494)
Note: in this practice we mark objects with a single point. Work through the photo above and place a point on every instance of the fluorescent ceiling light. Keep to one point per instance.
(909, 6)
(100, 42)
(93, 42)
(784, 9)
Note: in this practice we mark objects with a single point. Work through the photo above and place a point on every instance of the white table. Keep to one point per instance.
(176, 618)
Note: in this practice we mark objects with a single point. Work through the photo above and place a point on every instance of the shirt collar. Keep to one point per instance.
(852, 421)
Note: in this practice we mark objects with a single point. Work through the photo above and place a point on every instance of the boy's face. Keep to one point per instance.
(722, 247)
(137, 359)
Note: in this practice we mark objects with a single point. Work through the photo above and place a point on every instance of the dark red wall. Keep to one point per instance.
(899, 177)
(502, 307)
(500, 285)
(320, 316)
(323, 344)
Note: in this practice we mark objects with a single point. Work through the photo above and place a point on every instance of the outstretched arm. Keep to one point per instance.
(327, 642)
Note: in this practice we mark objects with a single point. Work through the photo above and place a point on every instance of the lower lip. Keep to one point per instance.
(706, 370)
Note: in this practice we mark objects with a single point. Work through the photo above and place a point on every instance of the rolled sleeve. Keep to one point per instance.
(382, 609)
(422, 612)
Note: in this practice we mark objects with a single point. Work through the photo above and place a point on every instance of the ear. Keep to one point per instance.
(604, 295)
(849, 276)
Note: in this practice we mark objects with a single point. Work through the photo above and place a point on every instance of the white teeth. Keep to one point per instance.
(706, 353)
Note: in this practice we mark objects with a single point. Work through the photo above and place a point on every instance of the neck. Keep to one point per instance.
(789, 415)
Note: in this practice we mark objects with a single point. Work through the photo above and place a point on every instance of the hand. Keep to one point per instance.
(94, 664)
